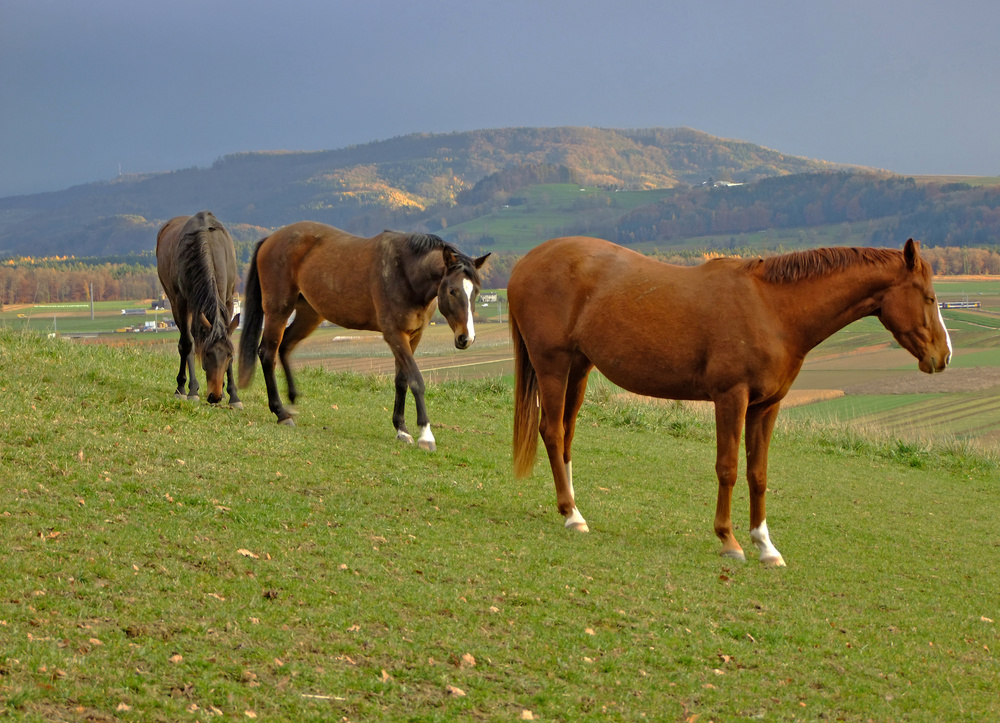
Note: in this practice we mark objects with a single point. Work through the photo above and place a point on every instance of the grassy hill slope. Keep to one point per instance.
(164, 560)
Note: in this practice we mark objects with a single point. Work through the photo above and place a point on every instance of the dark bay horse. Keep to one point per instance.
(196, 263)
(731, 331)
(389, 283)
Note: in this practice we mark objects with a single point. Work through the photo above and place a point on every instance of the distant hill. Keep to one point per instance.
(426, 180)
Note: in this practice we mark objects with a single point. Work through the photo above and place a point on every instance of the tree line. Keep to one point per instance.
(952, 214)
(48, 283)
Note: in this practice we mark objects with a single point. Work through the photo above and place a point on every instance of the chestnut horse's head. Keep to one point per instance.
(910, 311)
(457, 294)
(216, 351)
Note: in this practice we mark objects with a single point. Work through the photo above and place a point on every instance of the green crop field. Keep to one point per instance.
(166, 560)
(550, 210)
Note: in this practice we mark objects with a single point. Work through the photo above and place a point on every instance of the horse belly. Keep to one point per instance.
(664, 373)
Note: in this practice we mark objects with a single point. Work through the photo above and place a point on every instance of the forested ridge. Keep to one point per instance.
(59, 245)
(400, 183)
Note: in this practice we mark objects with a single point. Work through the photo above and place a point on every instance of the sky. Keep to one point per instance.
(90, 89)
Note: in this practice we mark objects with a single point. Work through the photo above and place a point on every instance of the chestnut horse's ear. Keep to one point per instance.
(234, 323)
(205, 322)
(911, 253)
(450, 259)
(480, 261)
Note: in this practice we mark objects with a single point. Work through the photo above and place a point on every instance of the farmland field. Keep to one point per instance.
(861, 361)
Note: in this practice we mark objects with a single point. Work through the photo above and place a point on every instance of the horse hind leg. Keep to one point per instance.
(267, 352)
(303, 324)
(576, 389)
(552, 427)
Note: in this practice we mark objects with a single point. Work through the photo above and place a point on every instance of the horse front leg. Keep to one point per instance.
(184, 351)
(408, 377)
(185, 348)
(399, 406)
(760, 425)
(193, 385)
(234, 397)
(730, 413)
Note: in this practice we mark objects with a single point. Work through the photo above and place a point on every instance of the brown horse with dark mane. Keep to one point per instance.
(731, 331)
(389, 283)
(196, 263)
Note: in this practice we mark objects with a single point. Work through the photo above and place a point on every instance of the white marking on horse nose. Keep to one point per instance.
(467, 286)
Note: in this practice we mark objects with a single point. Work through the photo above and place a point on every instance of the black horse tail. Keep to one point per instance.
(253, 321)
(525, 405)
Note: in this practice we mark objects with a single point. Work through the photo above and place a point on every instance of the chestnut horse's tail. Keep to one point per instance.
(253, 320)
(525, 405)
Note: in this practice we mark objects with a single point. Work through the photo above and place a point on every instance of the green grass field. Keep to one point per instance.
(551, 210)
(166, 560)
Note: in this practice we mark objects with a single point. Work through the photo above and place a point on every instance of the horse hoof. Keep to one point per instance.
(287, 422)
(180, 395)
(773, 561)
(426, 445)
(734, 555)
(578, 526)
(193, 398)
(404, 437)
(236, 405)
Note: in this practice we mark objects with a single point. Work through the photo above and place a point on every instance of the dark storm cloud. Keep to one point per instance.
(85, 87)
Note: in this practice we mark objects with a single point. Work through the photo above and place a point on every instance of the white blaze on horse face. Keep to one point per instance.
(768, 552)
(947, 336)
(469, 288)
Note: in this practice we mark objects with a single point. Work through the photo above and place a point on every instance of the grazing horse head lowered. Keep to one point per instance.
(196, 264)
(729, 331)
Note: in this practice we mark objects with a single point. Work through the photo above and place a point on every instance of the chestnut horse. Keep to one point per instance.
(196, 263)
(386, 283)
(731, 331)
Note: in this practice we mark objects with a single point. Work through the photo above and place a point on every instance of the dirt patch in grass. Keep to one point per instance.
(949, 381)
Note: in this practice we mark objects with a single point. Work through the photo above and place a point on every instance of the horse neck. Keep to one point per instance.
(424, 275)
(816, 308)
(205, 293)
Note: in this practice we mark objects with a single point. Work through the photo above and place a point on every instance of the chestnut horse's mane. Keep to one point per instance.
(802, 265)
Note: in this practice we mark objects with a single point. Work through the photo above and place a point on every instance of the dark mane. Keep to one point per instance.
(195, 260)
(423, 243)
(802, 265)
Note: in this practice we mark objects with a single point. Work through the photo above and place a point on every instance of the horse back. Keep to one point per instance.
(176, 244)
(654, 328)
(331, 269)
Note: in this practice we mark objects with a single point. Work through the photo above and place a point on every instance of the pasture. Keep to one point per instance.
(165, 560)
(550, 210)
